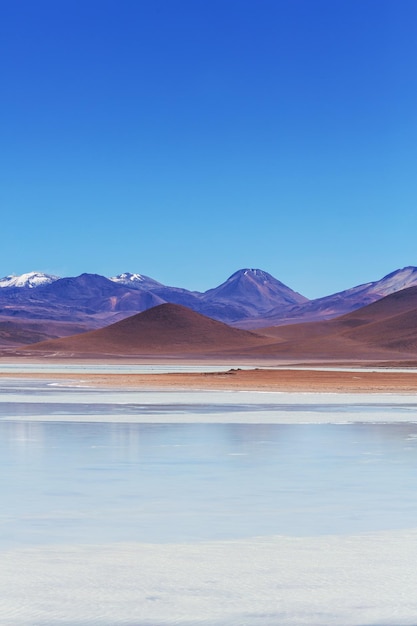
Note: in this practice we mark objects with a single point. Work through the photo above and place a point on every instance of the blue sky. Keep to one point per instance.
(185, 139)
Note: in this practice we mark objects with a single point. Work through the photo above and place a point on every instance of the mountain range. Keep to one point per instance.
(36, 307)
(385, 330)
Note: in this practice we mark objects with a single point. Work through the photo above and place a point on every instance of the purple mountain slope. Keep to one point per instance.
(175, 295)
(94, 301)
(339, 303)
(249, 299)
(89, 298)
(247, 293)
(255, 285)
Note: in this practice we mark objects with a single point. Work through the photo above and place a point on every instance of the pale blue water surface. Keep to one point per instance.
(93, 466)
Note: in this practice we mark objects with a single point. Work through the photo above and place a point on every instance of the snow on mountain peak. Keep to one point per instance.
(254, 286)
(127, 277)
(400, 279)
(252, 273)
(136, 281)
(256, 273)
(29, 280)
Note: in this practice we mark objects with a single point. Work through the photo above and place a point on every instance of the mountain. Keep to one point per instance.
(89, 298)
(391, 283)
(250, 299)
(386, 329)
(19, 332)
(383, 330)
(389, 323)
(94, 301)
(30, 280)
(246, 294)
(167, 329)
(176, 295)
(336, 304)
(136, 281)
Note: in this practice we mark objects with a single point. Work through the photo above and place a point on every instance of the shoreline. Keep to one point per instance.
(285, 380)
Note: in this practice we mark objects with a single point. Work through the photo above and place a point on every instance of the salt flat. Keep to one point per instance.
(268, 581)
(144, 507)
(69, 400)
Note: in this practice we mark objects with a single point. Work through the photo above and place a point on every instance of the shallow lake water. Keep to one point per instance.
(89, 482)
(257, 496)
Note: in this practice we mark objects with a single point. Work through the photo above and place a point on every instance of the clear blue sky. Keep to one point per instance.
(185, 139)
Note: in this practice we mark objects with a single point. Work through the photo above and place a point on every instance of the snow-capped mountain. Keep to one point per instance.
(92, 295)
(256, 286)
(249, 298)
(247, 293)
(391, 283)
(357, 297)
(338, 303)
(30, 280)
(136, 281)
(175, 295)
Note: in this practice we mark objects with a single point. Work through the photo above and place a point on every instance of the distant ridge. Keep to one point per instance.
(249, 299)
(383, 330)
(93, 301)
(336, 304)
(166, 329)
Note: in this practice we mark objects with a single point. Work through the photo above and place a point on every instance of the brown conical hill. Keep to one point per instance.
(384, 329)
(167, 329)
(390, 323)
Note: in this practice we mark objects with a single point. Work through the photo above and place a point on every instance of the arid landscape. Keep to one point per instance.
(311, 379)
(385, 330)
(208, 313)
(251, 315)
(286, 357)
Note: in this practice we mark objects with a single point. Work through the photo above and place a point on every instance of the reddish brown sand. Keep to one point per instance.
(254, 379)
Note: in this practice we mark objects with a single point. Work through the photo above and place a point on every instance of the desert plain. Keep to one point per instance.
(357, 377)
(169, 469)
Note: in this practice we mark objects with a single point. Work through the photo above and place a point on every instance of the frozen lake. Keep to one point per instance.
(89, 483)
(216, 508)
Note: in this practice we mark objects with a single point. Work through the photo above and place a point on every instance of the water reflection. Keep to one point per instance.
(93, 482)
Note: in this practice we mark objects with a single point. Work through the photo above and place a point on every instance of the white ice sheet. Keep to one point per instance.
(364, 580)
(23, 400)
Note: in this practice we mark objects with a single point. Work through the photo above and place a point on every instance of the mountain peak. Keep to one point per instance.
(30, 280)
(135, 281)
(257, 287)
(252, 273)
